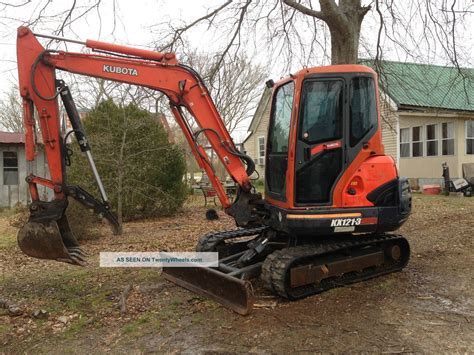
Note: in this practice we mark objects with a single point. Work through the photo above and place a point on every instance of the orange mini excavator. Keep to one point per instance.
(331, 195)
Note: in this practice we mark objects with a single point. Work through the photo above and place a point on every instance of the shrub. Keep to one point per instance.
(84, 223)
(141, 171)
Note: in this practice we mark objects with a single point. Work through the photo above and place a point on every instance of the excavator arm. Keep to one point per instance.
(47, 235)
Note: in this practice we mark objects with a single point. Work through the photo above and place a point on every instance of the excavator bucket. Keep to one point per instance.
(231, 292)
(50, 240)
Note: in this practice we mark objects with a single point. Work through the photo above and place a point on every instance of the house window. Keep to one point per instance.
(10, 168)
(405, 142)
(261, 150)
(417, 142)
(469, 137)
(447, 142)
(432, 140)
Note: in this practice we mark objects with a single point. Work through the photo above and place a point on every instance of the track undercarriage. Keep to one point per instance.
(291, 268)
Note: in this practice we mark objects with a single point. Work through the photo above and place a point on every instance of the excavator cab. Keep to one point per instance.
(325, 155)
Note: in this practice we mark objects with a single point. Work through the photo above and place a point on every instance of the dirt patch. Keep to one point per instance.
(428, 307)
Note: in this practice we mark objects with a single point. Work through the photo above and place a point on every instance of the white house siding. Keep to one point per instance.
(260, 130)
(429, 167)
(10, 195)
(389, 123)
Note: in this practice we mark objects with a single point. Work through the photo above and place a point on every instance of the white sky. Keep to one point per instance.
(132, 28)
(134, 18)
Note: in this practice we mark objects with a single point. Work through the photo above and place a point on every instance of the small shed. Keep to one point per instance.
(13, 187)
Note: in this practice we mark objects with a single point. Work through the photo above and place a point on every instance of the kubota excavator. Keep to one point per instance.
(331, 195)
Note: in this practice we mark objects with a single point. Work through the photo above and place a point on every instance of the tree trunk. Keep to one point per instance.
(344, 21)
(120, 197)
(120, 175)
(345, 46)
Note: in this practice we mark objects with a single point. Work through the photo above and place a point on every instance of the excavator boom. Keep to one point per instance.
(161, 72)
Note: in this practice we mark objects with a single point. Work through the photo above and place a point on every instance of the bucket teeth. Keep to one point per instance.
(72, 261)
(78, 250)
(77, 255)
(75, 258)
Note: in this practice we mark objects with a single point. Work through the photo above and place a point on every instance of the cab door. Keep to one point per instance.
(276, 164)
(319, 145)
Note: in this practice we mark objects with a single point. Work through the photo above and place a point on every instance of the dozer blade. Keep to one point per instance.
(50, 240)
(231, 292)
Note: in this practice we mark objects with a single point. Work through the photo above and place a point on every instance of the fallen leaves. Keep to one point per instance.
(85, 303)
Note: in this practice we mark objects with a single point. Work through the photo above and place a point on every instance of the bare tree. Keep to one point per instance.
(235, 85)
(300, 31)
(344, 22)
(309, 32)
(90, 91)
(11, 111)
(60, 15)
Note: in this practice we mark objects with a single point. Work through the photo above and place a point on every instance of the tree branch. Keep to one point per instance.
(335, 18)
(243, 11)
(379, 36)
(68, 16)
(179, 31)
(305, 10)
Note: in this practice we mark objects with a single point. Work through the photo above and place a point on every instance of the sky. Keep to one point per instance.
(133, 26)
(134, 21)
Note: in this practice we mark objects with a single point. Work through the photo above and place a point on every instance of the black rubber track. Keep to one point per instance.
(276, 268)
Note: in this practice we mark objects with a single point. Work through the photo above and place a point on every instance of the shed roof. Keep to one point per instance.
(426, 85)
(12, 138)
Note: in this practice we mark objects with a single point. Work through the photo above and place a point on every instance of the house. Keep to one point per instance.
(433, 109)
(254, 144)
(13, 187)
(427, 116)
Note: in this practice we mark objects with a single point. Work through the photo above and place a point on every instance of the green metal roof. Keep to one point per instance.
(428, 86)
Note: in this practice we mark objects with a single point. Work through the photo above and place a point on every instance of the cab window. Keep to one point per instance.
(363, 110)
(280, 127)
(321, 111)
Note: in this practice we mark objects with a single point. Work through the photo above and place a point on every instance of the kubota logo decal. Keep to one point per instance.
(120, 70)
(344, 222)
